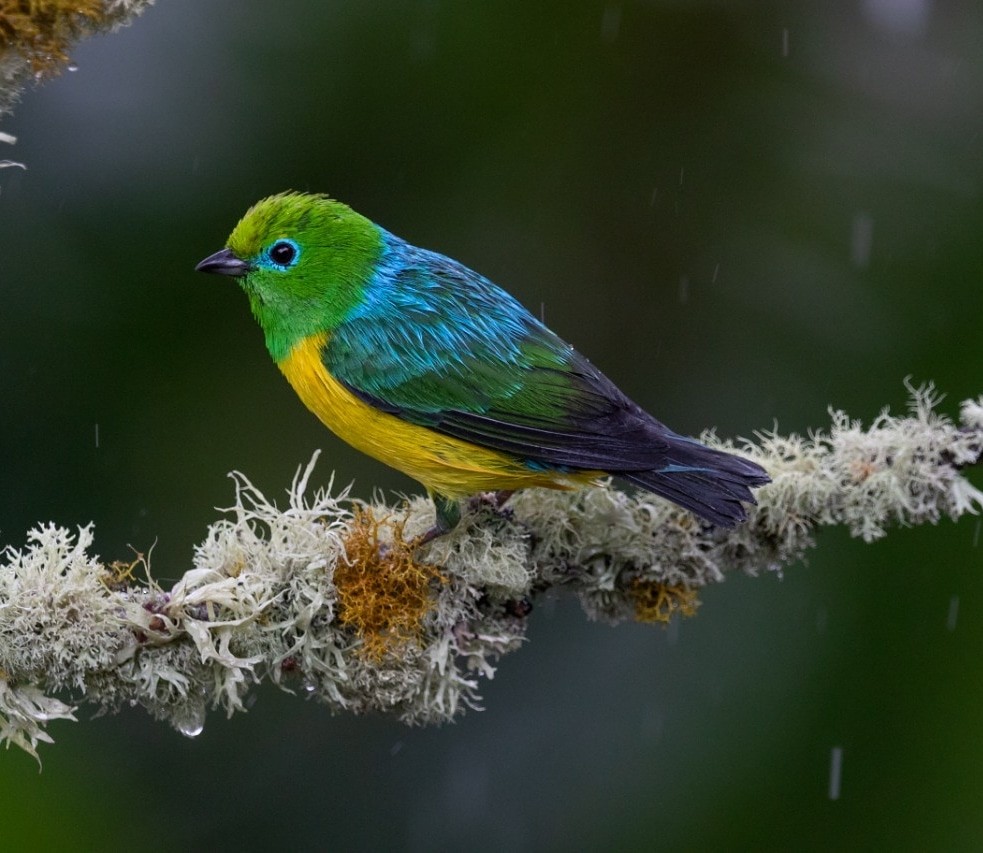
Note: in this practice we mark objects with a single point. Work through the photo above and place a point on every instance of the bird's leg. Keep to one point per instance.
(448, 516)
(449, 512)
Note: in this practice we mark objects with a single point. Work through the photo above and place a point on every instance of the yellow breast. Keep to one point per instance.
(445, 465)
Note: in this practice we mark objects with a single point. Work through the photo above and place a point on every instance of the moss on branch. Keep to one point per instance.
(324, 597)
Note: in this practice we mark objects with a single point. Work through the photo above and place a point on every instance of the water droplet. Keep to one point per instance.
(191, 728)
(72, 67)
(309, 686)
(193, 724)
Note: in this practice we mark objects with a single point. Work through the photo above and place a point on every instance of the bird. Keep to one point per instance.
(420, 362)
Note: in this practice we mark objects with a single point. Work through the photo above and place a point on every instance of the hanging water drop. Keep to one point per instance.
(193, 724)
(191, 728)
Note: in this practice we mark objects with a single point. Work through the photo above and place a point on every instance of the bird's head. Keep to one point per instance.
(304, 262)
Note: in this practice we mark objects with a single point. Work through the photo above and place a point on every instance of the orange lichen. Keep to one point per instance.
(120, 574)
(384, 593)
(658, 602)
(42, 30)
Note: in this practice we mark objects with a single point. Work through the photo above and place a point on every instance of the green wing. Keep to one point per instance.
(438, 345)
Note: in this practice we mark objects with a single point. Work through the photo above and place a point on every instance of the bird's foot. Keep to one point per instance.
(448, 517)
(428, 536)
(449, 512)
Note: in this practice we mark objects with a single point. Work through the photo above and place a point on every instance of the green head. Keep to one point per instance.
(304, 262)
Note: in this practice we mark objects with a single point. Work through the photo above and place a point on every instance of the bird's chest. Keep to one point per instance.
(342, 412)
(444, 464)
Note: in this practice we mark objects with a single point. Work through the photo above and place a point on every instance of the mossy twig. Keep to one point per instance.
(327, 597)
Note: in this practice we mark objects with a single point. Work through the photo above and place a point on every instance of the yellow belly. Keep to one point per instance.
(445, 465)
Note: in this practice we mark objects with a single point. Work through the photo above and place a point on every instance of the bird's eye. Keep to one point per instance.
(284, 253)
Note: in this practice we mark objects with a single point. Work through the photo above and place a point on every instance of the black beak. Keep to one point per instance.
(224, 262)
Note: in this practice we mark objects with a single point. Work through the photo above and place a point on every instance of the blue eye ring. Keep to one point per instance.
(283, 254)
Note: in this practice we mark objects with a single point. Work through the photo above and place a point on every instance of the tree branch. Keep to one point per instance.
(35, 38)
(328, 598)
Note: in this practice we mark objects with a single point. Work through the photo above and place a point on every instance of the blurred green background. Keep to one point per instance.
(744, 212)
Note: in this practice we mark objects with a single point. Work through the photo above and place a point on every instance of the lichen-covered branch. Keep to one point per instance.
(328, 597)
(36, 35)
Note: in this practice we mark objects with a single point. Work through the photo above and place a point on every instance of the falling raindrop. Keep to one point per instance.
(835, 771)
(611, 23)
(396, 748)
(716, 271)
(683, 289)
(861, 237)
(785, 41)
(97, 435)
(953, 615)
(976, 533)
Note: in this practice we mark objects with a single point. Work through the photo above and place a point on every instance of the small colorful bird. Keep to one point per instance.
(422, 363)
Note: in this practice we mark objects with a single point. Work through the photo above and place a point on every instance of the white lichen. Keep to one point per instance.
(271, 594)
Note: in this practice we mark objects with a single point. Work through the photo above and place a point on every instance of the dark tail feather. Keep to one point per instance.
(713, 484)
